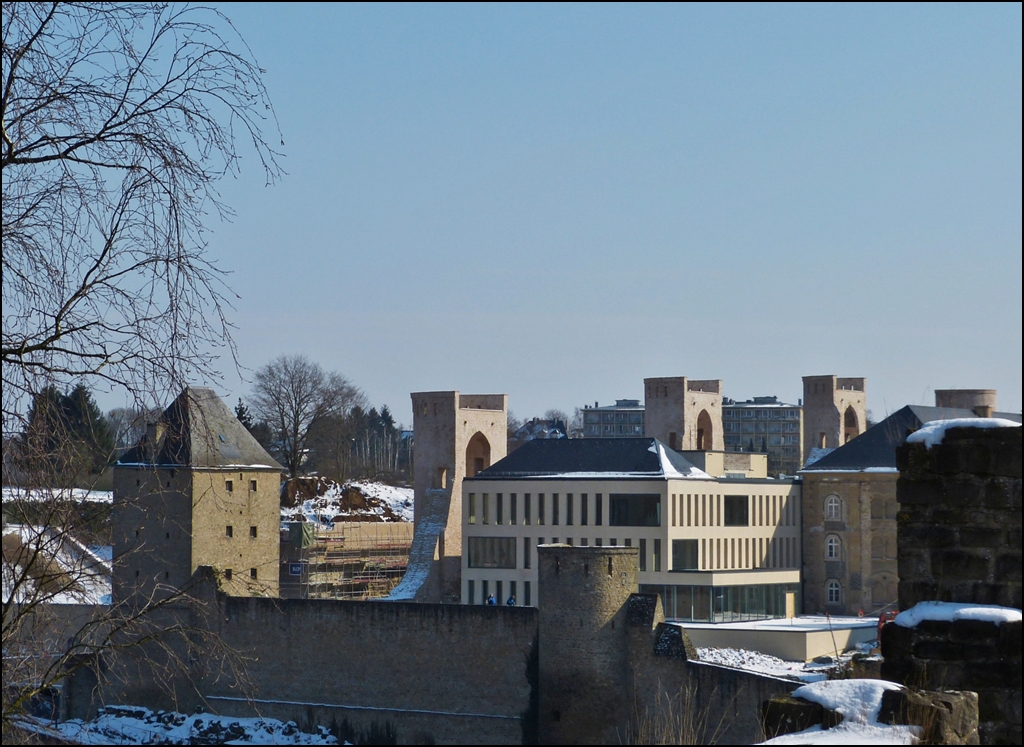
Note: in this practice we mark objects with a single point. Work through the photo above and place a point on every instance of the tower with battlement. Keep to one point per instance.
(457, 435)
(835, 411)
(684, 413)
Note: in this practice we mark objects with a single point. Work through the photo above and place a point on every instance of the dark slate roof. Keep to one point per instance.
(875, 448)
(592, 458)
(200, 431)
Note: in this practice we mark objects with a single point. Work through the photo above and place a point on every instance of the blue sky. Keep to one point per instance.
(558, 201)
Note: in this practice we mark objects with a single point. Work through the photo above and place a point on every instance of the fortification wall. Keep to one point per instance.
(418, 672)
(959, 540)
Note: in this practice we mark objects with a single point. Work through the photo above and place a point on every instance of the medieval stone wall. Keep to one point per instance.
(959, 530)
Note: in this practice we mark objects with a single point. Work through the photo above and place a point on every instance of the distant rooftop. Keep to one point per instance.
(772, 401)
(593, 458)
(620, 404)
(875, 448)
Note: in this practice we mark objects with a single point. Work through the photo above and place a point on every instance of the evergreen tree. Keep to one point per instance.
(67, 433)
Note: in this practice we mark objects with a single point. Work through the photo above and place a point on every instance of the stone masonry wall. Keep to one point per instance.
(417, 673)
(959, 540)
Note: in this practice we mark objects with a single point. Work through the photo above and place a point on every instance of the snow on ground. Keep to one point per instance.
(932, 433)
(858, 701)
(71, 572)
(949, 611)
(47, 494)
(323, 501)
(131, 725)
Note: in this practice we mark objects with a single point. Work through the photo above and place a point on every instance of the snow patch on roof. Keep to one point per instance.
(931, 434)
(670, 470)
(950, 611)
(39, 495)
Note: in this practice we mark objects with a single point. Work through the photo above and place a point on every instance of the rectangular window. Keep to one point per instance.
(497, 591)
(598, 510)
(512, 590)
(483, 592)
(643, 555)
(635, 510)
(583, 541)
(252, 573)
(540, 509)
(499, 509)
(684, 555)
(471, 592)
(613, 542)
(472, 508)
(657, 555)
(492, 552)
(484, 506)
(252, 532)
(568, 509)
(229, 531)
(526, 593)
(252, 485)
(673, 509)
(526, 552)
(736, 511)
(512, 508)
(583, 510)
(526, 508)
(229, 485)
(227, 574)
(629, 542)
(554, 508)
(597, 542)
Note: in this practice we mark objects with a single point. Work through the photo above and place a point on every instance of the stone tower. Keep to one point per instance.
(457, 435)
(981, 401)
(835, 410)
(684, 413)
(583, 639)
(196, 490)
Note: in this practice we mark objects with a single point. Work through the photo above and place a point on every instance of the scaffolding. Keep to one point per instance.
(353, 560)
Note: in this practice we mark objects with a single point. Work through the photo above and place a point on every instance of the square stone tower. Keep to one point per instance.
(457, 435)
(835, 411)
(684, 413)
(196, 490)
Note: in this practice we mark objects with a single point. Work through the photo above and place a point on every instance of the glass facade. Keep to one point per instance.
(724, 603)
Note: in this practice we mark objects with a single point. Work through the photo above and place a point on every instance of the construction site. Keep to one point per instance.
(349, 560)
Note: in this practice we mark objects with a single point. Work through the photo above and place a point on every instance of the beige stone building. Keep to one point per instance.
(684, 413)
(457, 436)
(849, 509)
(715, 549)
(196, 490)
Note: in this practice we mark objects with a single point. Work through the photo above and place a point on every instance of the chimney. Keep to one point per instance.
(983, 411)
(154, 435)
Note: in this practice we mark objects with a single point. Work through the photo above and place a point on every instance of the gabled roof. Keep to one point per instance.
(196, 431)
(875, 448)
(593, 458)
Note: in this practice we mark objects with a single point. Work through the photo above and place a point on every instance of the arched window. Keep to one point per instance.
(834, 592)
(833, 547)
(833, 508)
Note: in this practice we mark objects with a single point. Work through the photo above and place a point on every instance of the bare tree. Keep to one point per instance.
(118, 122)
(291, 393)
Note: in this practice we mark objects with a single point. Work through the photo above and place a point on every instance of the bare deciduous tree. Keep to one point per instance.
(118, 122)
(291, 393)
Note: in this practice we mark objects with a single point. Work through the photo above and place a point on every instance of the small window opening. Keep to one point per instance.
(252, 532)
(229, 485)
(252, 485)
(252, 573)
(227, 575)
(229, 531)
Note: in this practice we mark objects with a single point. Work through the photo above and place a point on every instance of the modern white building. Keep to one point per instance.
(715, 549)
